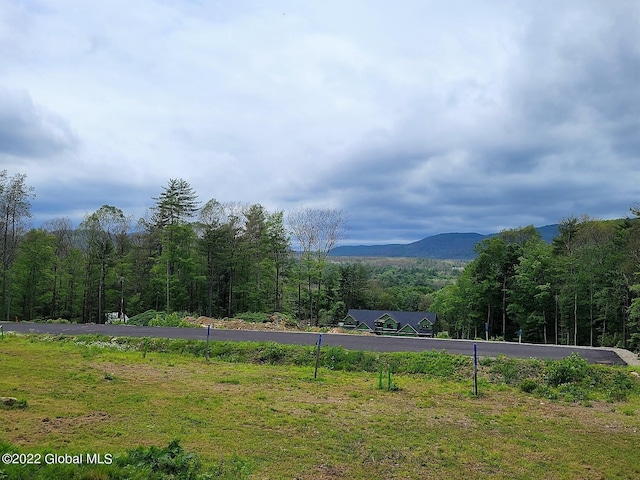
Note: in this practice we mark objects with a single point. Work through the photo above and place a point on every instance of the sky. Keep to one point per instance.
(411, 117)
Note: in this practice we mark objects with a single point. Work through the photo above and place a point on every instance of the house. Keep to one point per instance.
(388, 322)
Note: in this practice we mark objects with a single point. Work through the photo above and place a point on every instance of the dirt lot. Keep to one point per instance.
(237, 324)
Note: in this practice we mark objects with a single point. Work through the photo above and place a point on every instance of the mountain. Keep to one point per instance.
(445, 246)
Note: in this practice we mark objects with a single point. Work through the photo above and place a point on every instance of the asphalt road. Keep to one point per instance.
(351, 342)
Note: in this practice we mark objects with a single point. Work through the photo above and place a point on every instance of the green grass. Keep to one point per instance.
(256, 411)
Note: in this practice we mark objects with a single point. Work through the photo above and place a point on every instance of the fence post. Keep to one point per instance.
(208, 332)
(315, 374)
(475, 369)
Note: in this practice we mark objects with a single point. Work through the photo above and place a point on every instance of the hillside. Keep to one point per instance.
(450, 246)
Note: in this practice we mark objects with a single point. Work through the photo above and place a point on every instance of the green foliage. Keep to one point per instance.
(221, 259)
(272, 353)
(255, 317)
(512, 371)
(572, 392)
(543, 379)
(174, 319)
(234, 467)
(507, 369)
(154, 318)
(433, 363)
(544, 391)
(250, 421)
(160, 463)
(141, 463)
(528, 385)
(13, 404)
(59, 321)
(143, 319)
(575, 290)
(570, 369)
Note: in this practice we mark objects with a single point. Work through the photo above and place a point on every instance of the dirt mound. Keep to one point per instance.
(238, 324)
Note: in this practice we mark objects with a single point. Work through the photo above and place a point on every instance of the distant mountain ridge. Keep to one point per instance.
(444, 246)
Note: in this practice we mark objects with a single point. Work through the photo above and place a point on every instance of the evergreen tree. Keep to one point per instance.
(174, 207)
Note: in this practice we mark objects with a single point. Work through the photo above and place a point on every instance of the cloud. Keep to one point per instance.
(30, 130)
(414, 118)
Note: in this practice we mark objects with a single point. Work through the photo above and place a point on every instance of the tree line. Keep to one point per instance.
(213, 259)
(582, 289)
(224, 259)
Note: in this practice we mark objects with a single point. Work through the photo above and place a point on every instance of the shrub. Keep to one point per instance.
(528, 386)
(58, 321)
(619, 387)
(165, 320)
(144, 318)
(570, 369)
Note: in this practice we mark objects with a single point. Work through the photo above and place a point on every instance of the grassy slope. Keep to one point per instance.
(278, 422)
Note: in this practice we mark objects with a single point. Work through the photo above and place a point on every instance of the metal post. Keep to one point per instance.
(208, 332)
(315, 374)
(475, 369)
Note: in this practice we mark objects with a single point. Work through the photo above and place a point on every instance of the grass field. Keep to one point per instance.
(264, 421)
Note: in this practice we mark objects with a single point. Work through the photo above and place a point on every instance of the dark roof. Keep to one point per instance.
(403, 318)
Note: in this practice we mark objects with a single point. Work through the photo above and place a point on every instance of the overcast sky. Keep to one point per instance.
(413, 117)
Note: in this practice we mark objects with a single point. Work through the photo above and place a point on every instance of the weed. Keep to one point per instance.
(171, 460)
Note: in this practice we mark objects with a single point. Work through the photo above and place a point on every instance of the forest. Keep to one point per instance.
(231, 259)
(213, 259)
(582, 289)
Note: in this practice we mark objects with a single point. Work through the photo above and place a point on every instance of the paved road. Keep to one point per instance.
(351, 342)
